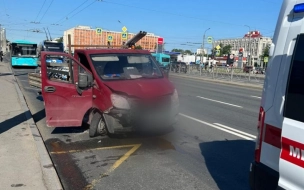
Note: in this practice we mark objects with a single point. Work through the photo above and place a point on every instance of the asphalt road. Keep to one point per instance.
(210, 148)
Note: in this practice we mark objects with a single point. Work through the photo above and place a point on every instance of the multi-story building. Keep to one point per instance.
(253, 43)
(201, 51)
(3, 44)
(85, 35)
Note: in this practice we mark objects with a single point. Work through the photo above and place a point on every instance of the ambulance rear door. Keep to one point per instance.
(291, 163)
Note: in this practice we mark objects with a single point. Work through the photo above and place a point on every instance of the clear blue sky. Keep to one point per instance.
(179, 22)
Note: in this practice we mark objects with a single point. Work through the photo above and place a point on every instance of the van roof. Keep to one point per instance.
(109, 51)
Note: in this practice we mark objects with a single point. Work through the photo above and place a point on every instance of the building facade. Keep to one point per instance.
(3, 44)
(253, 43)
(201, 51)
(85, 35)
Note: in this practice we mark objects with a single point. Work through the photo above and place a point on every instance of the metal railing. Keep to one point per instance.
(220, 73)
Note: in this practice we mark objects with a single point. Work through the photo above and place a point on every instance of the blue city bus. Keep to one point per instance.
(52, 46)
(24, 53)
(162, 58)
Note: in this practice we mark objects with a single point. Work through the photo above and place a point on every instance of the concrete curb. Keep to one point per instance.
(219, 81)
(50, 177)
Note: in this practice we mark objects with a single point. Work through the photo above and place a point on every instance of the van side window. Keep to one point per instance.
(58, 68)
(84, 61)
(294, 104)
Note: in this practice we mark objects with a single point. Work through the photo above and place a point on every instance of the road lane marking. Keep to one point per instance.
(235, 130)
(100, 148)
(256, 97)
(219, 102)
(124, 157)
(114, 166)
(219, 127)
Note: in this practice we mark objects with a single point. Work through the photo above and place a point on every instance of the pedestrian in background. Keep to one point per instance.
(1, 55)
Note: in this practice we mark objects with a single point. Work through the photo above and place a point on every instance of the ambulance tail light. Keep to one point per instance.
(260, 135)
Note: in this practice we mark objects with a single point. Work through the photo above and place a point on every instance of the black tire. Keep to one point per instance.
(94, 126)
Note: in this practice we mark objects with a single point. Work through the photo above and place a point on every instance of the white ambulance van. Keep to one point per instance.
(279, 154)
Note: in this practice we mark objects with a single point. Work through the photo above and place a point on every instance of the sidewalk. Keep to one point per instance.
(24, 161)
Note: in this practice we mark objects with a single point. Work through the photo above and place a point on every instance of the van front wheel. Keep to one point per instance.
(98, 126)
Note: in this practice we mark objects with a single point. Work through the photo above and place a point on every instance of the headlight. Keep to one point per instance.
(174, 98)
(119, 102)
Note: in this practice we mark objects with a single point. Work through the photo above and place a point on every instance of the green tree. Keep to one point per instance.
(178, 50)
(188, 52)
(266, 51)
(226, 50)
(138, 47)
(60, 40)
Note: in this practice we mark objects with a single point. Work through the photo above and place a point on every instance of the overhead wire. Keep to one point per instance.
(40, 10)
(32, 30)
(79, 11)
(72, 11)
(46, 10)
(176, 14)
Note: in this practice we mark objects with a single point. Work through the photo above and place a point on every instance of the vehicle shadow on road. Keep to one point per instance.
(5, 74)
(21, 74)
(12, 122)
(228, 162)
(24, 67)
(64, 130)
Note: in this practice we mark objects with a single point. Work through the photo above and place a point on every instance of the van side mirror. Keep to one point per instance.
(85, 80)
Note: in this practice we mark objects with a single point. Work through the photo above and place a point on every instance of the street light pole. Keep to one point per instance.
(203, 46)
(249, 61)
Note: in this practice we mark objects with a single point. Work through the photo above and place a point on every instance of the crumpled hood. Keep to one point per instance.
(142, 88)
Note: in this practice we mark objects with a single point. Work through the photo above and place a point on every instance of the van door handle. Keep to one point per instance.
(49, 89)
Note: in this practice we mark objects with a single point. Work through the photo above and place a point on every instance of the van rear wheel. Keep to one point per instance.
(98, 126)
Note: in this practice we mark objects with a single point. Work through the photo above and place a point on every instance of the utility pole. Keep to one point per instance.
(203, 45)
(249, 61)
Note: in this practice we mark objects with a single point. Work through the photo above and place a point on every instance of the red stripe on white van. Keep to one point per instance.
(273, 136)
(293, 152)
